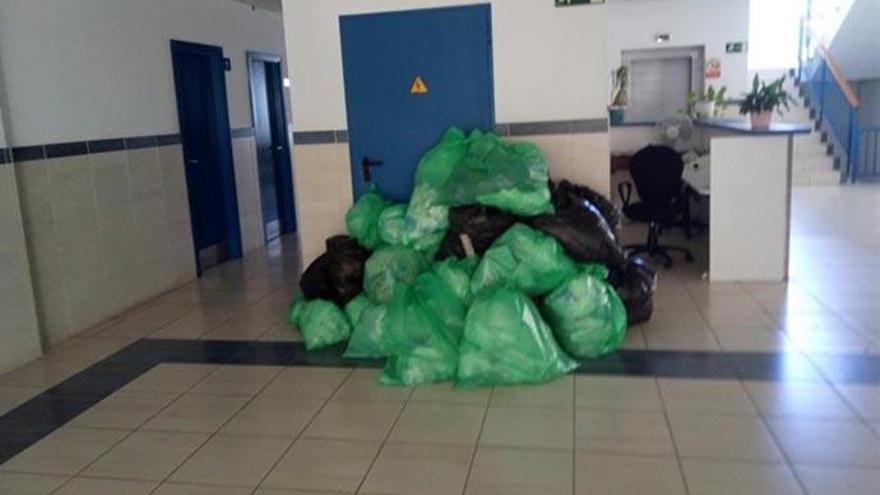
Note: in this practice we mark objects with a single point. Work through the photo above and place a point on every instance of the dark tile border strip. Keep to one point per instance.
(243, 132)
(5, 156)
(77, 148)
(583, 126)
(45, 413)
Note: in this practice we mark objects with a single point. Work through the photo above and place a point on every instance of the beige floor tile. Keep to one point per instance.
(232, 460)
(827, 443)
(363, 385)
(29, 484)
(236, 380)
(12, 397)
(723, 437)
(146, 455)
(197, 413)
(276, 491)
(438, 423)
(798, 400)
(753, 340)
(354, 420)
(839, 481)
(617, 393)
(89, 486)
(864, 398)
(645, 433)
(170, 378)
(447, 394)
(123, 410)
(278, 417)
(326, 465)
(705, 396)
(528, 427)
(187, 489)
(557, 394)
(520, 472)
(681, 338)
(731, 478)
(600, 474)
(66, 451)
(424, 469)
(305, 383)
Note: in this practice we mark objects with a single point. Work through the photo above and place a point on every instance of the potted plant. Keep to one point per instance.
(762, 100)
(708, 104)
(617, 109)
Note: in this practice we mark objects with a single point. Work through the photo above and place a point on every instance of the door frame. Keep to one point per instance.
(287, 200)
(221, 140)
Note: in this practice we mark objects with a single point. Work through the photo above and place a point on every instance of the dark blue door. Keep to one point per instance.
(389, 119)
(273, 153)
(204, 126)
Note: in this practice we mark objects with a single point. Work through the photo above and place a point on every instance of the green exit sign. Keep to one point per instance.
(572, 3)
(736, 47)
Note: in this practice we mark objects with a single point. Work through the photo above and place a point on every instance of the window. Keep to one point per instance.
(659, 81)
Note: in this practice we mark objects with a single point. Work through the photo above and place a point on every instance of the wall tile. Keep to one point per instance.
(111, 179)
(143, 167)
(591, 163)
(71, 187)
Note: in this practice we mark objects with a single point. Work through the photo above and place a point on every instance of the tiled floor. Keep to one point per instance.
(189, 426)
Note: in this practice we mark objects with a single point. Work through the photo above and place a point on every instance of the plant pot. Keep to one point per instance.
(760, 120)
(705, 109)
(617, 115)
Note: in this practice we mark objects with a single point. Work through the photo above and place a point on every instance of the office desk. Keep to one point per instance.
(750, 207)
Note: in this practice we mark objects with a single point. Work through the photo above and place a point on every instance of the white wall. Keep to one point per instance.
(632, 24)
(545, 58)
(854, 47)
(90, 69)
(548, 65)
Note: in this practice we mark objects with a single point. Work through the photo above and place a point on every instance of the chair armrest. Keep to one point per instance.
(624, 189)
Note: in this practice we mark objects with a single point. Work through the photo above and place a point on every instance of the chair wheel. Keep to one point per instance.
(689, 257)
(667, 264)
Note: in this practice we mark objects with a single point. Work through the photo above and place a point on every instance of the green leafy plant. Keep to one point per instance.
(620, 78)
(765, 97)
(711, 95)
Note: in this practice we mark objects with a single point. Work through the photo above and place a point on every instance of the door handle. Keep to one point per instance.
(192, 161)
(366, 165)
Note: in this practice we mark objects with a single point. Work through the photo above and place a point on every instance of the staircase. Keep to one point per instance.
(813, 157)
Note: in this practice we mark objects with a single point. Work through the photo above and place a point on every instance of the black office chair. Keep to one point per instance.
(656, 172)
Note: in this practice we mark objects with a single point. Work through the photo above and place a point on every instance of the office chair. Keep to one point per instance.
(656, 172)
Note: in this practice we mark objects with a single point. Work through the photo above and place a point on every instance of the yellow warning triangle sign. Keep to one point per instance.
(418, 87)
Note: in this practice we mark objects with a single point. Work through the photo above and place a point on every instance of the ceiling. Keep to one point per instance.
(854, 46)
(271, 5)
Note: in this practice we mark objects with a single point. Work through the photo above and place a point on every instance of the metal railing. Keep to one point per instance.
(835, 104)
(866, 162)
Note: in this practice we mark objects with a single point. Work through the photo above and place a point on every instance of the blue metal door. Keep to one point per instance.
(204, 126)
(393, 119)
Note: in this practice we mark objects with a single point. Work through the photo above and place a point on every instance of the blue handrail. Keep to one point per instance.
(833, 109)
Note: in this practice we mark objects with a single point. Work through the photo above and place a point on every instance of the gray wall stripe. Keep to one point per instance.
(582, 126)
(5, 156)
(28, 153)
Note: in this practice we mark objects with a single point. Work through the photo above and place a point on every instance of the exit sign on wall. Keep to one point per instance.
(572, 3)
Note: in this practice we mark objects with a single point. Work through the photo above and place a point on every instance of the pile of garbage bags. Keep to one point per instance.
(490, 275)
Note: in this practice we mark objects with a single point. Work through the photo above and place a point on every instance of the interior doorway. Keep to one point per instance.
(273, 147)
(199, 80)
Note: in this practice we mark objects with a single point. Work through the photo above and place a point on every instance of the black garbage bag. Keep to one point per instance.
(584, 234)
(565, 194)
(635, 282)
(315, 281)
(345, 267)
(482, 224)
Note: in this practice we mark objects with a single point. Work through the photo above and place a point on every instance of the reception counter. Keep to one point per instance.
(750, 207)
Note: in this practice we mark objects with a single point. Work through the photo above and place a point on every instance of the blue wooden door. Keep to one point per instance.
(449, 50)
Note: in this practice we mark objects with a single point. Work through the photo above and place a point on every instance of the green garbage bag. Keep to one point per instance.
(506, 342)
(422, 330)
(355, 308)
(512, 177)
(391, 225)
(426, 221)
(367, 340)
(437, 165)
(523, 259)
(362, 219)
(587, 316)
(296, 306)
(391, 267)
(457, 275)
(321, 323)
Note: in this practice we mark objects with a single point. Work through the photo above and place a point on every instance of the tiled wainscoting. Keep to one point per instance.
(105, 231)
(108, 224)
(577, 150)
(19, 340)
